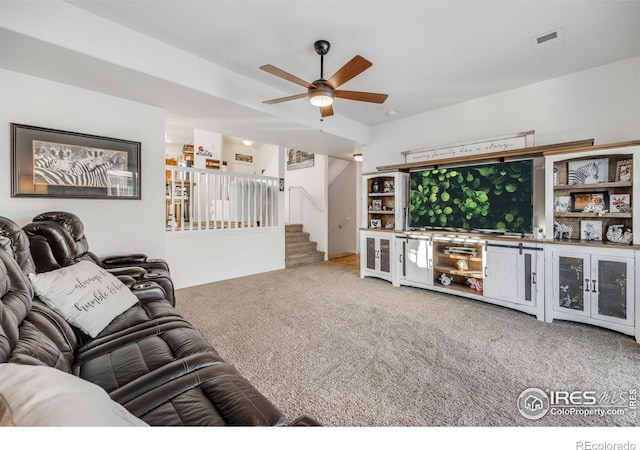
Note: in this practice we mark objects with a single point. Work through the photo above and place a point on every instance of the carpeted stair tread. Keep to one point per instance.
(301, 259)
(293, 237)
(300, 247)
(293, 228)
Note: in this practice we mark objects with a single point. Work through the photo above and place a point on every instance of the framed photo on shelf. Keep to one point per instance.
(376, 204)
(375, 223)
(620, 203)
(65, 164)
(388, 187)
(562, 204)
(591, 230)
(624, 170)
(588, 171)
(582, 200)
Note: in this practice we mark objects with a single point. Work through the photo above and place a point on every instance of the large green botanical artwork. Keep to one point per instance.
(487, 197)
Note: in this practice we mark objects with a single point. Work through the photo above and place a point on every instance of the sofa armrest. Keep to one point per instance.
(148, 290)
(143, 290)
(134, 272)
(124, 260)
(304, 421)
(134, 259)
(127, 280)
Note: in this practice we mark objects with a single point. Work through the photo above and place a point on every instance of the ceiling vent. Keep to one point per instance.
(550, 39)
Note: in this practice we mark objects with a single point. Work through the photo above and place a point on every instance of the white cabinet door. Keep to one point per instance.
(571, 276)
(376, 254)
(416, 260)
(510, 273)
(612, 288)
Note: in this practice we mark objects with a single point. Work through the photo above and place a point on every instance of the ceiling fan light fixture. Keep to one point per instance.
(322, 95)
(320, 99)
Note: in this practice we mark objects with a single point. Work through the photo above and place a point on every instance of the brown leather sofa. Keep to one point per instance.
(149, 359)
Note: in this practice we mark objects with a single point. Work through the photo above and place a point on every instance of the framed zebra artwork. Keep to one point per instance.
(588, 171)
(65, 164)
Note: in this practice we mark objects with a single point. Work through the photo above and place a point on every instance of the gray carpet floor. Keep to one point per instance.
(317, 340)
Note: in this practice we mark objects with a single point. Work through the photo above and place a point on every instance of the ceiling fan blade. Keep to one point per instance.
(370, 97)
(286, 75)
(355, 67)
(285, 99)
(326, 111)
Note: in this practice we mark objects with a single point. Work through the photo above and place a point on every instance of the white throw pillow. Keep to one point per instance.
(34, 396)
(85, 294)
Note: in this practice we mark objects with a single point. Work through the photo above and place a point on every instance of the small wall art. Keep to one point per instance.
(297, 159)
(582, 200)
(562, 204)
(591, 230)
(244, 158)
(591, 171)
(620, 203)
(624, 172)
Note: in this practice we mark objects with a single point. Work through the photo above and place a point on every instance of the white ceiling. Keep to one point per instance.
(426, 54)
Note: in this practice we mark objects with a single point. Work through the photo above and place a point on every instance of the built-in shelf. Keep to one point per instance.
(461, 273)
(592, 187)
(590, 215)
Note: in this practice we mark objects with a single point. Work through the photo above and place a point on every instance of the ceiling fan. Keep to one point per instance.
(322, 92)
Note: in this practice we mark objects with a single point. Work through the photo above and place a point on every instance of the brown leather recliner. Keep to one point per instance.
(161, 369)
(58, 240)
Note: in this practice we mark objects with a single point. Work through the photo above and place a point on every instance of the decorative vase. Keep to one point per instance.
(375, 187)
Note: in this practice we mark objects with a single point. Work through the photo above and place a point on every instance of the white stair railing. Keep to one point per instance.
(205, 200)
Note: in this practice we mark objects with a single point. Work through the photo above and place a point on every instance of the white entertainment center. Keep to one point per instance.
(578, 263)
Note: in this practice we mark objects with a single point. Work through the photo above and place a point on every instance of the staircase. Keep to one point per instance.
(299, 250)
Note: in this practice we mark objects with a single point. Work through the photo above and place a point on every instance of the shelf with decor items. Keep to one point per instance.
(385, 200)
(590, 195)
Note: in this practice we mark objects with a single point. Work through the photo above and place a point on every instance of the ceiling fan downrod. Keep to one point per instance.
(322, 48)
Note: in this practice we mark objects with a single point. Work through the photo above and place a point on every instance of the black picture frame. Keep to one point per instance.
(579, 200)
(65, 164)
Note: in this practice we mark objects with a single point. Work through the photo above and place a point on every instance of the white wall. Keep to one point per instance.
(205, 258)
(343, 202)
(263, 156)
(111, 226)
(209, 141)
(601, 103)
(298, 207)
